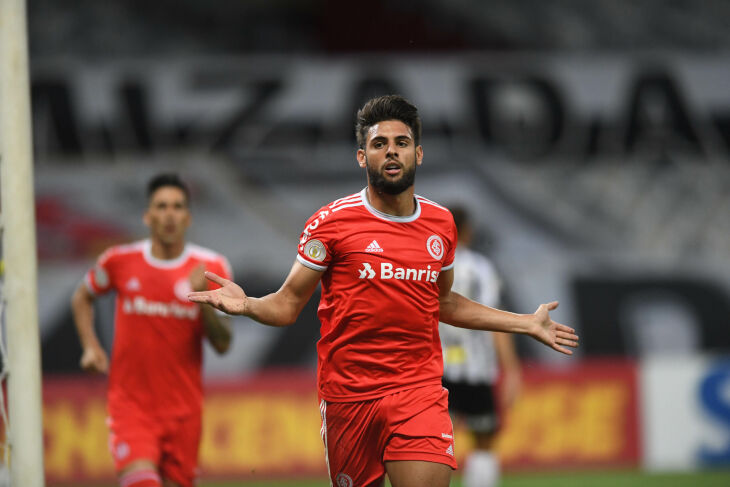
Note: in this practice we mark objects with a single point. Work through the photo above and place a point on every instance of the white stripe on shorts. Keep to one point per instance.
(138, 476)
(323, 434)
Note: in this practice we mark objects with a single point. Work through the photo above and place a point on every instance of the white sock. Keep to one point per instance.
(481, 469)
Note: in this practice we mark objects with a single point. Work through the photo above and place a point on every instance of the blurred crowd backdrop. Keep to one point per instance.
(590, 141)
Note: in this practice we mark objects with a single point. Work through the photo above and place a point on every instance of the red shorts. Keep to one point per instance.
(359, 437)
(170, 443)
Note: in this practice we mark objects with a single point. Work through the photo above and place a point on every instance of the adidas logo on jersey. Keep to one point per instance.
(450, 450)
(374, 247)
(133, 284)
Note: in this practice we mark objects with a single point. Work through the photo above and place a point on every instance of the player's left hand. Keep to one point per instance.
(551, 333)
(198, 282)
(229, 297)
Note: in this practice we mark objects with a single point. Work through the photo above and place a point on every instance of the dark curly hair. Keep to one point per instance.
(387, 107)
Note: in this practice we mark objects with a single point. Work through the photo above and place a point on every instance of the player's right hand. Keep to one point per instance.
(229, 297)
(94, 360)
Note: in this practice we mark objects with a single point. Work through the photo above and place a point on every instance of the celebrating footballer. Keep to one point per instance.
(385, 258)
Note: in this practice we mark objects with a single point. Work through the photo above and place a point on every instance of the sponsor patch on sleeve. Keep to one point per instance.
(101, 278)
(315, 250)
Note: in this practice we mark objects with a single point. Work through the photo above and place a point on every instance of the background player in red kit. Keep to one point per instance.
(385, 259)
(155, 391)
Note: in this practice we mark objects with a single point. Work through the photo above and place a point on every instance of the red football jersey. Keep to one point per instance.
(379, 308)
(157, 352)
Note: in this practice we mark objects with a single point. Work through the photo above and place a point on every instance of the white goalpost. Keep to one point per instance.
(19, 292)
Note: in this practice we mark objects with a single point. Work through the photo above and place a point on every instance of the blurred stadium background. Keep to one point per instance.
(591, 140)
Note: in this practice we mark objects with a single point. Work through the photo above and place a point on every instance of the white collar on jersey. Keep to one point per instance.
(385, 216)
(163, 263)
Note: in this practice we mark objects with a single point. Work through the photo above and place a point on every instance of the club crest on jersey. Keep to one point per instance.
(314, 249)
(343, 480)
(435, 246)
(182, 288)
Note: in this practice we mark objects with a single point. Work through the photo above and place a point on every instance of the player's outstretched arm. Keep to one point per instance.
(93, 357)
(459, 311)
(276, 309)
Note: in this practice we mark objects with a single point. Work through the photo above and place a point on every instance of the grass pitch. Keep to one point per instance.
(707, 478)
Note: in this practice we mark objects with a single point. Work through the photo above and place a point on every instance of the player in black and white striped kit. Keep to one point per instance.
(473, 361)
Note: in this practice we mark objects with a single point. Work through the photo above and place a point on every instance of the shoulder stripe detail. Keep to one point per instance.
(432, 203)
(129, 247)
(203, 252)
(352, 205)
(312, 266)
(211, 255)
(87, 282)
(346, 199)
(122, 249)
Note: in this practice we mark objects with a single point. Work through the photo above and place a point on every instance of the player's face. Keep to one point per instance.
(390, 157)
(167, 215)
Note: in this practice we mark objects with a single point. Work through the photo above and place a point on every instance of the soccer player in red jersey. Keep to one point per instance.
(385, 259)
(155, 387)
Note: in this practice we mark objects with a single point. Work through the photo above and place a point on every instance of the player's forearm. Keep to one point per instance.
(273, 310)
(217, 329)
(82, 308)
(459, 311)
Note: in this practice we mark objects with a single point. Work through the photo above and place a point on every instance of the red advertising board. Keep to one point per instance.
(267, 425)
(576, 416)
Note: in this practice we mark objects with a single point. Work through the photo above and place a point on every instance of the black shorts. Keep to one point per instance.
(474, 404)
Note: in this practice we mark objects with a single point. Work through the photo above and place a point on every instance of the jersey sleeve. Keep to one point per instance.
(316, 240)
(98, 279)
(450, 242)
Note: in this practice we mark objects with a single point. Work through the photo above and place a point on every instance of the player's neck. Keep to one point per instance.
(164, 251)
(401, 204)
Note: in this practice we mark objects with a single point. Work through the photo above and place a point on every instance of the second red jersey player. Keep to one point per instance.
(155, 390)
(157, 354)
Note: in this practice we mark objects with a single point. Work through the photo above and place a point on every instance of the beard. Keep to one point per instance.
(392, 187)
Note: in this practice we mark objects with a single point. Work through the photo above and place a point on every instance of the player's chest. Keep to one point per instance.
(405, 253)
(157, 284)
